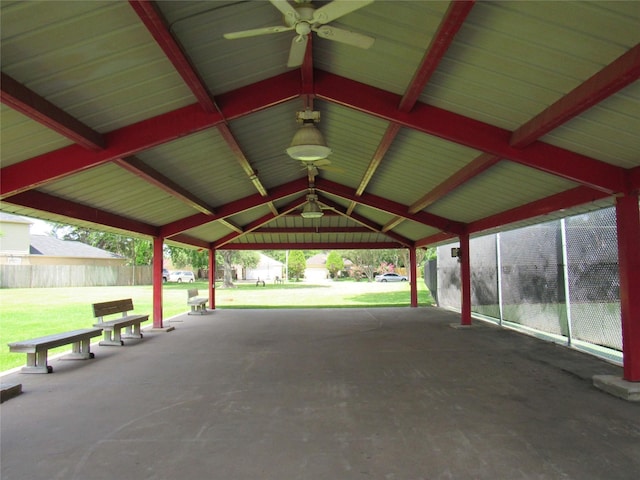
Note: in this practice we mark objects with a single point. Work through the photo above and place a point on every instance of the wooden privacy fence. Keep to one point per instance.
(51, 276)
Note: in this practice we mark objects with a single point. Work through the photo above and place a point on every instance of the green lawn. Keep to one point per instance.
(33, 312)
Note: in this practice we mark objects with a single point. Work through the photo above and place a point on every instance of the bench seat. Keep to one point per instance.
(37, 348)
(112, 328)
(197, 304)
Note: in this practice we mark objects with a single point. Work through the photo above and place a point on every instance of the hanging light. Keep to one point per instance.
(312, 209)
(308, 144)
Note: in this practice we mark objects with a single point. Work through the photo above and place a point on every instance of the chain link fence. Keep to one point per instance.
(558, 277)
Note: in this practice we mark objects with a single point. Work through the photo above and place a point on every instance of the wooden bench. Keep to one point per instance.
(197, 304)
(37, 348)
(112, 328)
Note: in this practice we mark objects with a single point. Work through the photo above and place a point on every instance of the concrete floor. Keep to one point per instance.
(324, 394)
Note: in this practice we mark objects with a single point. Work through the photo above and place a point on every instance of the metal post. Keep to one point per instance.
(565, 271)
(499, 278)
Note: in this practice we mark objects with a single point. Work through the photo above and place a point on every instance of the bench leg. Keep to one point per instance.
(132, 331)
(37, 363)
(79, 351)
(112, 338)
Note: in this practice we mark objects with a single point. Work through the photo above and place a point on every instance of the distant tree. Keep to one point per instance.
(297, 264)
(421, 254)
(137, 251)
(365, 261)
(334, 263)
(230, 258)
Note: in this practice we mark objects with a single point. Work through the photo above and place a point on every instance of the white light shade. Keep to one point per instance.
(308, 144)
(312, 210)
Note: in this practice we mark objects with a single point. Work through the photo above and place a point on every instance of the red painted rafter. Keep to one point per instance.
(233, 208)
(59, 206)
(615, 76)
(146, 134)
(157, 26)
(20, 98)
(472, 133)
(155, 178)
(388, 206)
(449, 26)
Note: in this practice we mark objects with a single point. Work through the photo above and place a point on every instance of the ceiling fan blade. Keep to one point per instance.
(287, 10)
(345, 36)
(256, 31)
(322, 163)
(298, 49)
(337, 9)
(330, 168)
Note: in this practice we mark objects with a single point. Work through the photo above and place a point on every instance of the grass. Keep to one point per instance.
(33, 312)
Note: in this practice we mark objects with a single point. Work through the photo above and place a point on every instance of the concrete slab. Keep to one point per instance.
(619, 387)
(322, 394)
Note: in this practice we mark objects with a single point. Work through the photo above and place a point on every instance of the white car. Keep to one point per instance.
(391, 277)
(182, 276)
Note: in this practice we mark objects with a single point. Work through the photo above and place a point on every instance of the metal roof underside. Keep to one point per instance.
(462, 118)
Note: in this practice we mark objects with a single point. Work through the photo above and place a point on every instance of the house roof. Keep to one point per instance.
(462, 117)
(54, 247)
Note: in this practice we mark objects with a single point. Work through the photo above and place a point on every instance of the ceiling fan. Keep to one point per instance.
(305, 18)
(313, 168)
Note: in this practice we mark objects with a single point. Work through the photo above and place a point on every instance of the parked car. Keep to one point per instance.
(165, 275)
(182, 276)
(391, 277)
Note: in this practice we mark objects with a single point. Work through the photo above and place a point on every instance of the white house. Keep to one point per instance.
(267, 269)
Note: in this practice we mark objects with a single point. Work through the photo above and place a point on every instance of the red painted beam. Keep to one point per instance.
(466, 173)
(75, 211)
(472, 133)
(259, 96)
(434, 239)
(633, 177)
(447, 30)
(627, 219)
(157, 282)
(157, 26)
(267, 230)
(372, 226)
(313, 246)
(233, 208)
(389, 206)
(146, 134)
(567, 199)
(20, 98)
(189, 240)
(614, 77)
(155, 178)
(123, 142)
(220, 243)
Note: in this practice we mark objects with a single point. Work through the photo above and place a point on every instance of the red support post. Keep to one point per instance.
(212, 278)
(413, 276)
(157, 281)
(628, 225)
(465, 280)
